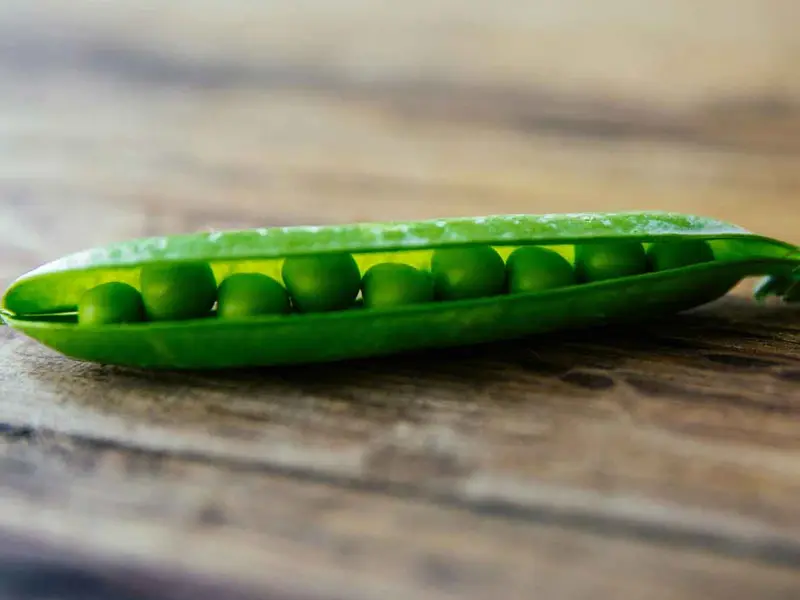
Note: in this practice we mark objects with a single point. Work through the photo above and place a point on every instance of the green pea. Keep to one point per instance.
(469, 272)
(678, 253)
(395, 284)
(178, 291)
(322, 283)
(109, 303)
(609, 260)
(535, 269)
(251, 294)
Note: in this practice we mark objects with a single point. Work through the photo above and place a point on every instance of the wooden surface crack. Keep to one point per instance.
(569, 509)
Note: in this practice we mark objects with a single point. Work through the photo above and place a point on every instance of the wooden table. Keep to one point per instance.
(658, 462)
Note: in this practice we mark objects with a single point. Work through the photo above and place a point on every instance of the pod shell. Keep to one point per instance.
(32, 302)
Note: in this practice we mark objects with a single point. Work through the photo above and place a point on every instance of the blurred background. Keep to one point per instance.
(130, 118)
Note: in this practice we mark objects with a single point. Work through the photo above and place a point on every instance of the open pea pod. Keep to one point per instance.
(45, 303)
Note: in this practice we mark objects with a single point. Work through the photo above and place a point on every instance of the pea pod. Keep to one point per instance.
(43, 304)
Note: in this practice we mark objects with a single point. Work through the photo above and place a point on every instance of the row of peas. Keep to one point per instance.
(332, 282)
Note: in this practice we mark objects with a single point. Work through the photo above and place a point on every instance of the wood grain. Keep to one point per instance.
(366, 544)
(657, 461)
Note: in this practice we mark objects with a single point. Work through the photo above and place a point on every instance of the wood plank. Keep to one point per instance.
(668, 52)
(312, 540)
(710, 399)
(363, 150)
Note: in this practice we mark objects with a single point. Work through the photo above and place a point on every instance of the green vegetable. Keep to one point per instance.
(62, 305)
(322, 283)
(250, 294)
(388, 285)
(535, 269)
(609, 260)
(173, 292)
(110, 303)
(677, 254)
(468, 272)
